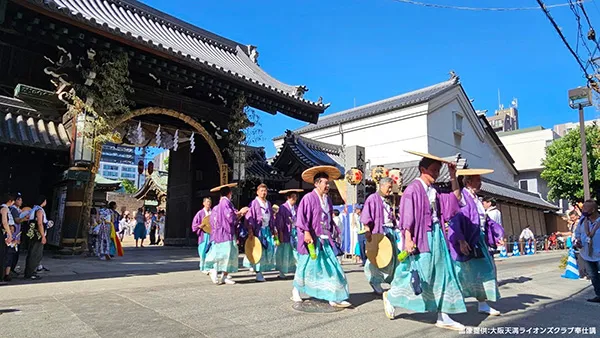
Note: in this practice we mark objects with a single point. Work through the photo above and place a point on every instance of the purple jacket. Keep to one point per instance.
(374, 215)
(223, 220)
(309, 219)
(415, 212)
(465, 226)
(254, 217)
(197, 223)
(284, 222)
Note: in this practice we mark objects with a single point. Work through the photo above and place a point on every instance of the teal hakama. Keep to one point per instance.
(267, 260)
(139, 232)
(441, 289)
(202, 252)
(285, 258)
(323, 277)
(477, 277)
(222, 257)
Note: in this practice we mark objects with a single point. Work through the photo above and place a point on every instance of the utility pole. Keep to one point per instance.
(578, 99)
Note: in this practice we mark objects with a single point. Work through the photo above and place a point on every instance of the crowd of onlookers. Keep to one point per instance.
(23, 229)
(108, 228)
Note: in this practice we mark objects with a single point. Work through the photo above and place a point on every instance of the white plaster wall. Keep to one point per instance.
(384, 136)
(475, 144)
(528, 148)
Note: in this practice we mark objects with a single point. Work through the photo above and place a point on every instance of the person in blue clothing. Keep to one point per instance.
(587, 240)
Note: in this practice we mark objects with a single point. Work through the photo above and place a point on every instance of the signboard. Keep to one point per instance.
(580, 97)
(355, 158)
(224, 174)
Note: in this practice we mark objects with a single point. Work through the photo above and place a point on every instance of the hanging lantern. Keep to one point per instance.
(83, 151)
(140, 167)
(396, 175)
(150, 167)
(378, 173)
(354, 176)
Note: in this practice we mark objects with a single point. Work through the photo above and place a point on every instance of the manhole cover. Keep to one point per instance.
(315, 306)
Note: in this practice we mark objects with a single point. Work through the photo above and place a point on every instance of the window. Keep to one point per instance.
(110, 174)
(110, 167)
(529, 185)
(458, 123)
(128, 169)
(127, 175)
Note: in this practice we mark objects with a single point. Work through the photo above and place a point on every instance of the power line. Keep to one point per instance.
(592, 31)
(467, 8)
(564, 40)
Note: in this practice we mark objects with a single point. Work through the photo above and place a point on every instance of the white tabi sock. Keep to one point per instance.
(444, 318)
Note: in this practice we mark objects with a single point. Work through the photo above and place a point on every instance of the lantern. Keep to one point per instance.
(83, 152)
(150, 167)
(378, 173)
(354, 176)
(396, 175)
(140, 167)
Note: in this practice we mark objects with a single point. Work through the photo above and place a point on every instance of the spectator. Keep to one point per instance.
(362, 240)
(16, 211)
(36, 233)
(526, 236)
(11, 252)
(139, 233)
(160, 227)
(588, 241)
(491, 210)
(7, 221)
(93, 233)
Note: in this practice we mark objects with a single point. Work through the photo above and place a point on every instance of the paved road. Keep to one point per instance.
(158, 292)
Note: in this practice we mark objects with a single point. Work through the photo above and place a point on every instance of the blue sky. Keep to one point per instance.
(367, 50)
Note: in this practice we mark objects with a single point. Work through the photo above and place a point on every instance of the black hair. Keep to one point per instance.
(491, 200)
(93, 211)
(41, 199)
(427, 162)
(7, 197)
(336, 212)
(320, 175)
(225, 191)
(291, 193)
(112, 205)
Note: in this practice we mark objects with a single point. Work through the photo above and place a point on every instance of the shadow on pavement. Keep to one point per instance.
(3, 311)
(358, 299)
(516, 280)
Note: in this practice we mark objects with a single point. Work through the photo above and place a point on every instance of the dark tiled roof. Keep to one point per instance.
(379, 107)
(308, 152)
(257, 166)
(154, 185)
(145, 25)
(20, 125)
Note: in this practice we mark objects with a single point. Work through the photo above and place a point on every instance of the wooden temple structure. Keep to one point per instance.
(185, 81)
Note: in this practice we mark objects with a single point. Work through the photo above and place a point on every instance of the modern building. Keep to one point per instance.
(528, 148)
(118, 163)
(505, 119)
(563, 129)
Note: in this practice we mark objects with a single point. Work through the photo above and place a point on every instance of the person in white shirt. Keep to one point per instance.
(489, 203)
(526, 236)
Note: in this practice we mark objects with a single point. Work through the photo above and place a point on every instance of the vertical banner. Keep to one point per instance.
(224, 174)
(355, 158)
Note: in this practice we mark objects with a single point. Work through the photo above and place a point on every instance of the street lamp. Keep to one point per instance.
(578, 99)
(83, 152)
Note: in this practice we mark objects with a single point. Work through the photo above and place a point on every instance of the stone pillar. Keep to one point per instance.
(355, 158)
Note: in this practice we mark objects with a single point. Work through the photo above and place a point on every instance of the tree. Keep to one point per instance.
(166, 163)
(129, 186)
(562, 167)
(243, 130)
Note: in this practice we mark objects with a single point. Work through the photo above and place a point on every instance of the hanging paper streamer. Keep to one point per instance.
(192, 143)
(140, 139)
(176, 140)
(158, 137)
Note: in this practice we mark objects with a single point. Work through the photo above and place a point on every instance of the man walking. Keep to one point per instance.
(587, 239)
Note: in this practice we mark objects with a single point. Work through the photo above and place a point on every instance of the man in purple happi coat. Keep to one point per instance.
(285, 222)
(470, 234)
(426, 282)
(378, 217)
(259, 222)
(203, 238)
(223, 253)
(319, 275)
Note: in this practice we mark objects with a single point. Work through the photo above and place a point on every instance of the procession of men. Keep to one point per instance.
(434, 250)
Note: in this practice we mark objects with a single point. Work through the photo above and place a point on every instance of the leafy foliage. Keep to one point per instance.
(166, 163)
(562, 167)
(129, 186)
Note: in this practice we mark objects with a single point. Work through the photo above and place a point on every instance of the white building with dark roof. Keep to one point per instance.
(439, 120)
